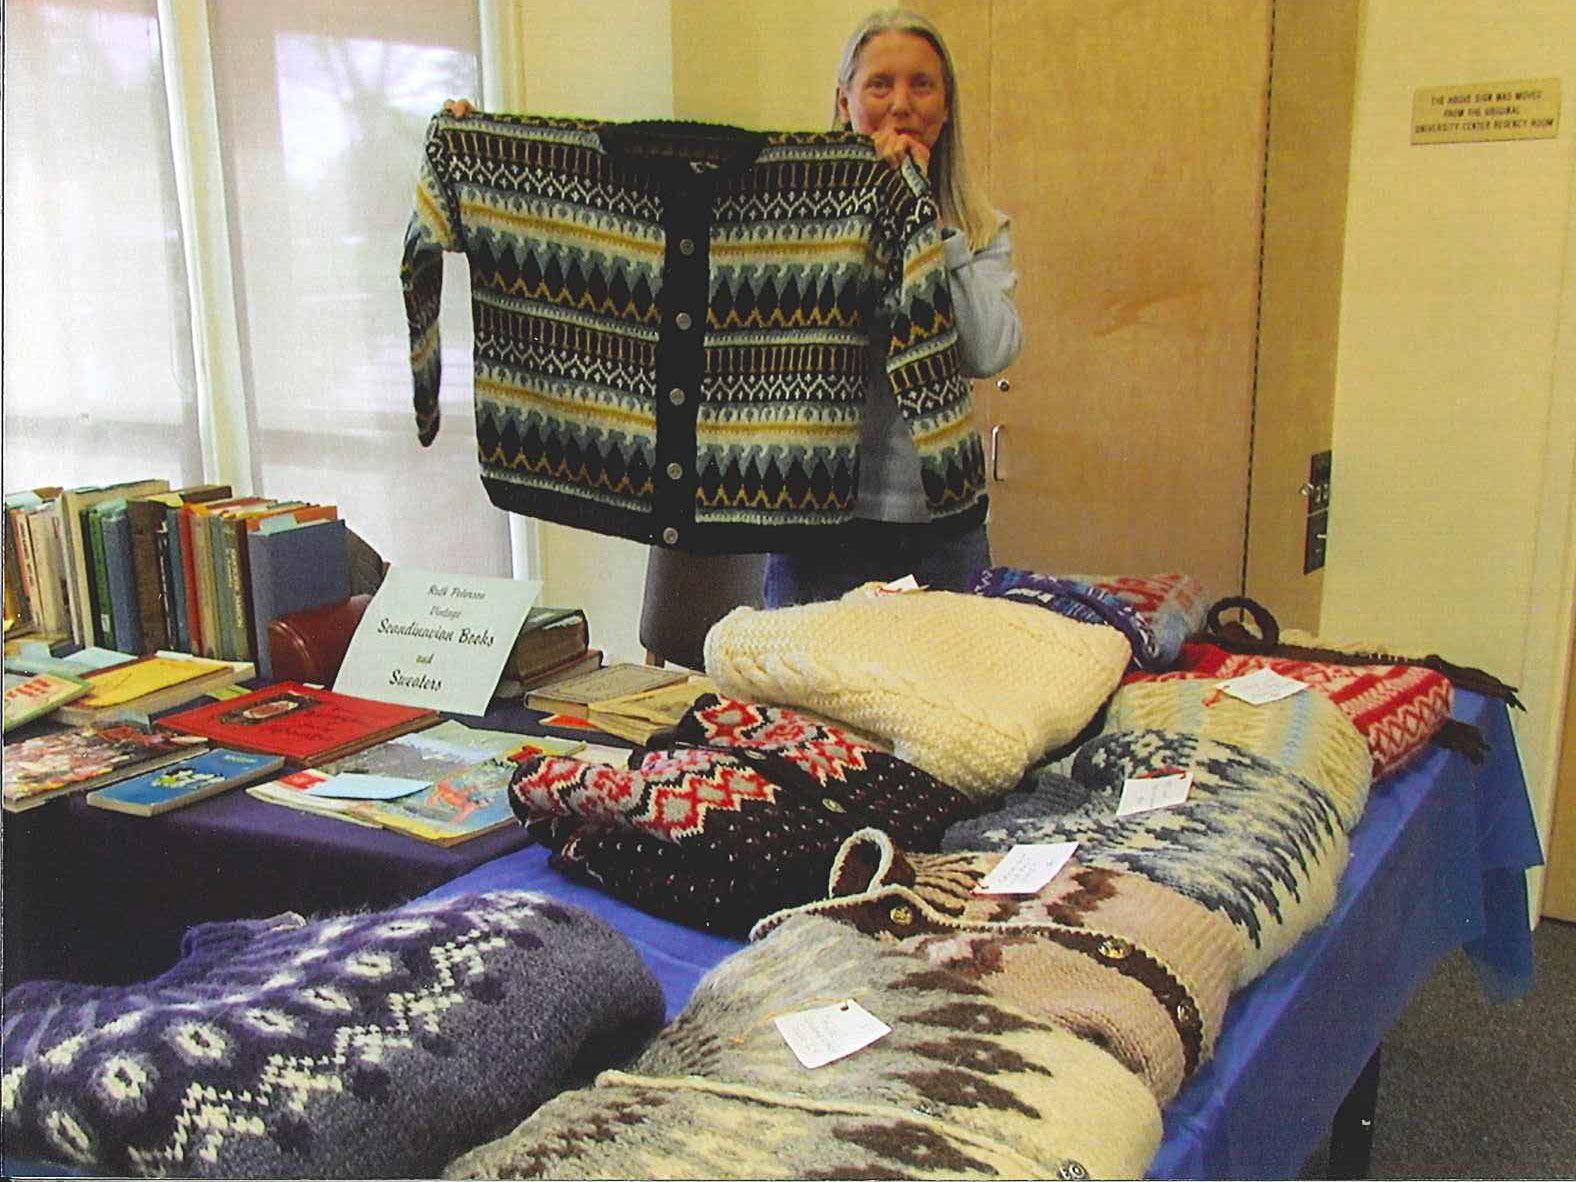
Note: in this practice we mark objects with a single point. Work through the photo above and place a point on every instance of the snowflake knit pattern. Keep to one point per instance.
(1306, 733)
(743, 814)
(969, 688)
(1156, 614)
(966, 1085)
(370, 1045)
(1136, 968)
(1254, 842)
(1396, 708)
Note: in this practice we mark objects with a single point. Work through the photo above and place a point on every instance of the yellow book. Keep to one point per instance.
(120, 684)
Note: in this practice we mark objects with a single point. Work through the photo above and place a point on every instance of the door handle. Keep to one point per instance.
(995, 453)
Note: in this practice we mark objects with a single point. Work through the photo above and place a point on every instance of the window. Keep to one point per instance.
(98, 377)
(321, 110)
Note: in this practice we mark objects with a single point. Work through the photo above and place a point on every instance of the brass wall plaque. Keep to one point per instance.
(1477, 111)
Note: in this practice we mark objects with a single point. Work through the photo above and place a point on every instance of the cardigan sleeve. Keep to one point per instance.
(923, 360)
(433, 229)
(990, 332)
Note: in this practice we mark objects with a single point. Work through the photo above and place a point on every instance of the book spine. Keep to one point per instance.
(122, 582)
(223, 628)
(143, 519)
(17, 543)
(101, 622)
(235, 569)
(194, 637)
(74, 568)
(31, 570)
(164, 539)
(44, 525)
(260, 567)
(202, 563)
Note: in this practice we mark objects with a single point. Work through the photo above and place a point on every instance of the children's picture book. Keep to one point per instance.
(464, 804)
(444, 804)
(306, 725)
(185, 782)
(39, 769)
(291, 792)
(428, 755)
(33, 695)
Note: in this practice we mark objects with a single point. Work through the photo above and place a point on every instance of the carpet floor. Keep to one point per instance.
(1473, 1089)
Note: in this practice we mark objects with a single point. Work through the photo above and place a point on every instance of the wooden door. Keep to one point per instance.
(1127, 143)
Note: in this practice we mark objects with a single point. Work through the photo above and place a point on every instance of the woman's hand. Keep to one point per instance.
(459, 108)
(893, 145)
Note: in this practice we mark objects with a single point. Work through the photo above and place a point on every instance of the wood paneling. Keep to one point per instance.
(1127, 143)
(1312, 88)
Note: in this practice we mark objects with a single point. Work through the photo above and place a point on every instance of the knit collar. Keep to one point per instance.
(678, 152)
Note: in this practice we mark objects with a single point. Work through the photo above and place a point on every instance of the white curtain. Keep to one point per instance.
(98, 379)
(321, 109)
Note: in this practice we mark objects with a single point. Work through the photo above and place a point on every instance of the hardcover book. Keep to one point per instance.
(306, 725)
(292, 570)
(549, 638)
(155, 560)
(121, 583)
(39, 769)
(72, 502)
(30, 696)
(185, 782)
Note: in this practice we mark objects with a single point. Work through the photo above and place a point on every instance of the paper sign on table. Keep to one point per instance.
(1263, 686)
(437, 641)
(364, 786)
(1024, 869)
(1153, 792)
(827, 1033)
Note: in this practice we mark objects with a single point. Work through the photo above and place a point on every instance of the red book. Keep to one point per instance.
(306, 725)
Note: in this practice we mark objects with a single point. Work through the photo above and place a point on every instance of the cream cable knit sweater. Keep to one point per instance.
(971, 689)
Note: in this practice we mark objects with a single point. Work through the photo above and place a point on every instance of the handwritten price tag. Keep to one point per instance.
(1262, 686)
(1026, 868)
(828, 1033)
(1153, 792)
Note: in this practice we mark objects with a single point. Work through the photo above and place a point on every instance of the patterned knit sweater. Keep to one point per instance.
(966, 1085)
(673, 321)
(362, 1046)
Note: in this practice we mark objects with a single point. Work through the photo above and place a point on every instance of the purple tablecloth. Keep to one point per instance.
(102, 897)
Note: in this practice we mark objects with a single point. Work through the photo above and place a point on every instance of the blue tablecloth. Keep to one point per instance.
(1438, 862)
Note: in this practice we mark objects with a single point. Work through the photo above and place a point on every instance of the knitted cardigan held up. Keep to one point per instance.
(673, 324)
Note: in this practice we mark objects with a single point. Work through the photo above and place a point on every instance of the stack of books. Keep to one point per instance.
(140, 567)
(554, 644)
(573, 696)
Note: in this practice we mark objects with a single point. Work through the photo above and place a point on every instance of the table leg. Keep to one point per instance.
(1352, 1132)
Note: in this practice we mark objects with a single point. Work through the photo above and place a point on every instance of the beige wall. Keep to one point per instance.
(610, 59)
(715, 60)
(1450, 518)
